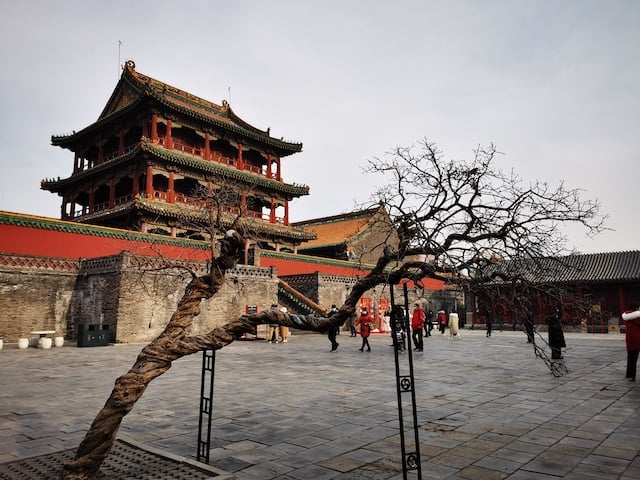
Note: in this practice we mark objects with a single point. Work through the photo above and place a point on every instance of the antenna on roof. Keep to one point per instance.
(229, 88)
(119, 45)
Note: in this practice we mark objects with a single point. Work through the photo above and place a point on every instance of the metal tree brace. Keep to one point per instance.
(206, 405)
(405, 384)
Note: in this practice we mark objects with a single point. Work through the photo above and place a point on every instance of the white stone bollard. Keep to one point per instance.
(23, 343)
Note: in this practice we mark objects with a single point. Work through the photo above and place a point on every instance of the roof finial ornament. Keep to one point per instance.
(130, 64)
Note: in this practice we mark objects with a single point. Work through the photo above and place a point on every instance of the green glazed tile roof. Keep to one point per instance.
(146, 88)
(199, 216)
(184, 160)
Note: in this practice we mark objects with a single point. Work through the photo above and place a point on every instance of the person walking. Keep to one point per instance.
(352, 325)
(273, 328)
(556, 335)
(454, 325)
(365, 321)
(429, 323)
(333, 331)
(489, 323)
(631, 318)
(442, 320)
(528, 327)
(417, 325)
(284, 330)
(398, 336)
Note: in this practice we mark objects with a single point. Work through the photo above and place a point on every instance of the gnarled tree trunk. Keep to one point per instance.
(155, 359)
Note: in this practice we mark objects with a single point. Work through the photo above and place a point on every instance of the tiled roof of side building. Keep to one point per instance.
(591, 268)
(337, 229)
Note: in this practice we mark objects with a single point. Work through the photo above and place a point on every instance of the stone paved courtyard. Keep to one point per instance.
(487, 408)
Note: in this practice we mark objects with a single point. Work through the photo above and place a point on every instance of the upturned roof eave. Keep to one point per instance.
(145, 91)
(282, 147)
(194, 215)
(182, 159)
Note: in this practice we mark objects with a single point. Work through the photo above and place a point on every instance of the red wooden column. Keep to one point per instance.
(72, 209)
(269, 169)
(149, 184)
(171, 193)
(121, 142)
(247, 244)
(286, 212)
(240, 160)
(207, 148)
(136, 184)
(278, 172)
(100, 152)
(154, 128)
(168, 141)
(622, 302)
(92, 200)
(112, 193)
(540, 308)
(243, 203)
(272, 213)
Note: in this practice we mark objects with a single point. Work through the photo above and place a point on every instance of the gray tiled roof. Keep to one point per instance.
(613, 267)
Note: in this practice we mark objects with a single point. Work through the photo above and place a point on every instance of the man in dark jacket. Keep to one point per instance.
(333, 331)
(556, 335)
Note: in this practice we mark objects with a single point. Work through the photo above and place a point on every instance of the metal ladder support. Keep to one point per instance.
(206, 405)
(405, 384)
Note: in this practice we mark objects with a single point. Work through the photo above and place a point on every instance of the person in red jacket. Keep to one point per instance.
(365, 321)
(417, 324)
(442, 320)
(632, 335)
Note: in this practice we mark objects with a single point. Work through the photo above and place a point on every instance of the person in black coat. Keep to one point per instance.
(556, 335)
(528, 327)
(489, 323)
(333, 331)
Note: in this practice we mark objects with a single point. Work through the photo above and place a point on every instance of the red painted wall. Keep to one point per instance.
(48, 239)
(36, 242)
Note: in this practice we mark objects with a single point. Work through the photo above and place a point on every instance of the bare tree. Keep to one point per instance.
(467, 213)
(452, 219)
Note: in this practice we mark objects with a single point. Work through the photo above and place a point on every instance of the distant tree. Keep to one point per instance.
(452, 219)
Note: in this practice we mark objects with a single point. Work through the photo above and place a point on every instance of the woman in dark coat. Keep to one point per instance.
(556, 335)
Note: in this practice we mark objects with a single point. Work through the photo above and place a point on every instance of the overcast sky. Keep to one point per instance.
(555, 85)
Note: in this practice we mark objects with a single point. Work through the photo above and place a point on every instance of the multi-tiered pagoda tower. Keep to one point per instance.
(161, 160)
